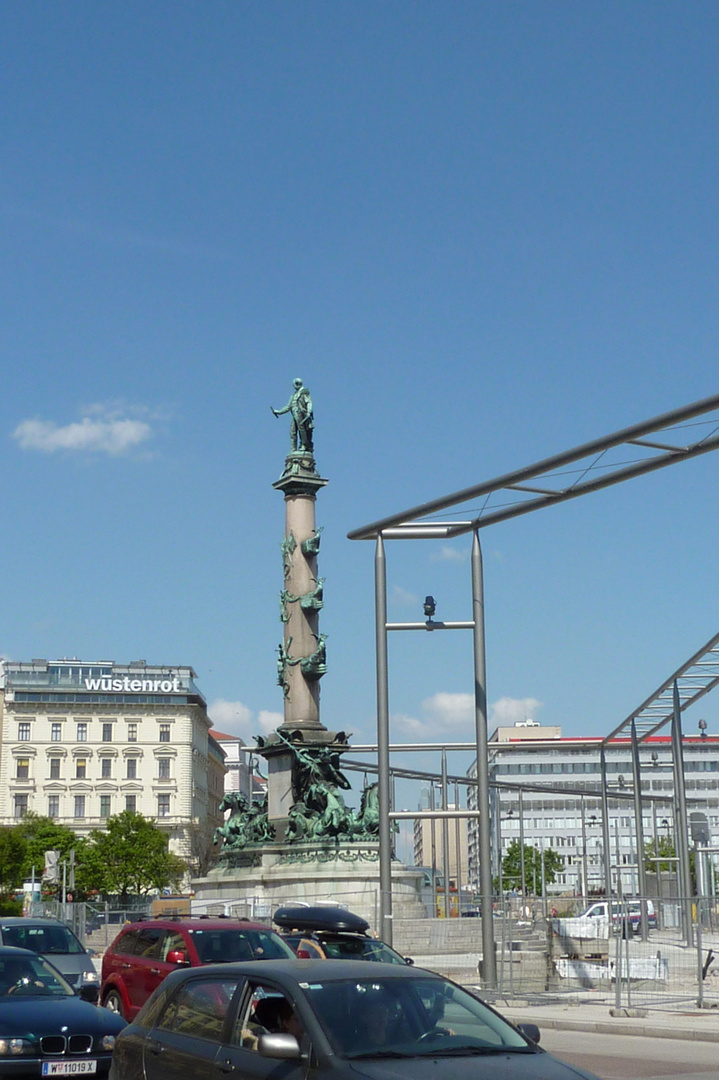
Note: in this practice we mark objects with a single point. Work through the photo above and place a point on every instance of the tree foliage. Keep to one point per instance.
(40, 834)
(12, 858)
(512, 867)
(130, 856)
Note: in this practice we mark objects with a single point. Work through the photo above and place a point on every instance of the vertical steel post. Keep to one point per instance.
(521, 849)
(383, 773)
(606, 842)
(681, 823)
(639, 833)
(489, 965)
(585, 885)
(458, 853)
(445, 836)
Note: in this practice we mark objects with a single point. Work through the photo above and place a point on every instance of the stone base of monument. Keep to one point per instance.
(264, 878)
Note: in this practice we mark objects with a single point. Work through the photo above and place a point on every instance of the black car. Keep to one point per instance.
(46, 1029)
(307, 1019)
(332, 933)
(56, 943)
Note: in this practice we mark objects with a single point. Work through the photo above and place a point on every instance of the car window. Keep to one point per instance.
(227, 944)
(173, 941)
(415, 1016)
(199, 1008)
(265, 1011)
(149, 940)
(125, 944)
(360, 949)
(31, 976)
(42, 939)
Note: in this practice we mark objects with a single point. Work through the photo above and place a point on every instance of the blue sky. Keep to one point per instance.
(481, 233)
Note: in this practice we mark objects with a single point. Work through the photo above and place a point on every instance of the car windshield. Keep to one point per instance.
(409, 1017)
(30, 976)
(349, 948)
(44, 939)
(226, 945)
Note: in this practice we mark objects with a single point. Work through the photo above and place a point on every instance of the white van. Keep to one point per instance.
(600, 910)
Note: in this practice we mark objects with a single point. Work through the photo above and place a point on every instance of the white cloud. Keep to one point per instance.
(450, 554)
(408, 599)
(234, 718)
(268, 721)
(447, 712)
(507, 710)
(103, 429)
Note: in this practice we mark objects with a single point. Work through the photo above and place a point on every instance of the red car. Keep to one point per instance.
(145, 952)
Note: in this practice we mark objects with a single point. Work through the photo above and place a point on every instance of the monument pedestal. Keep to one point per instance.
(276, 874)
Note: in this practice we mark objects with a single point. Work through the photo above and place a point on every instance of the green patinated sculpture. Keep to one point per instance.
(315, 666)
(302, 418)
(288, 547)
(311, 545)
(309, 601)
(247, 824)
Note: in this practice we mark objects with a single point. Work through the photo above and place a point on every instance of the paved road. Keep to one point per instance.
(622, 1057)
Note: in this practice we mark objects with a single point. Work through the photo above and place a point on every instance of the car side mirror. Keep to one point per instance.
(282, 1046)
(531, 1032)
(408, 960)
(177, 956)
(89, 992)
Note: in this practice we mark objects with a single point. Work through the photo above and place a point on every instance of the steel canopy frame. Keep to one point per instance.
(548, 486)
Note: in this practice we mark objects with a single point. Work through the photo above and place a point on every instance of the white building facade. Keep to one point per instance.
(569, 818)
(82, 741)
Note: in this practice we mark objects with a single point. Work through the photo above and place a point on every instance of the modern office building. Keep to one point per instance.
(568, 818)
(81, 741)
(429, 844)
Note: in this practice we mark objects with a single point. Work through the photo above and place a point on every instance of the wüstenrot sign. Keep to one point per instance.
(126, 685)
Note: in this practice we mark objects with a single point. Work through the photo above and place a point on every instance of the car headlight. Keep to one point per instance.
(12, 1047)
(90, 977)
(107, 1042)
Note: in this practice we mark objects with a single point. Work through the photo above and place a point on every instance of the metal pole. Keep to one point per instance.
(585, 887)
(445, 836)
(489, 966)
(606, 842)
(457, 841)
(639, 833)
(521, 849)
(433, 835)
(681, 823)
(383, 774)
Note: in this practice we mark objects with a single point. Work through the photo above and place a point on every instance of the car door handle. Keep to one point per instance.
(155, 971)
(155, 1047)
(125, 965)
(226, 1066)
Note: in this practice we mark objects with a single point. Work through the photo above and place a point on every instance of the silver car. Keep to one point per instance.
(57, 944)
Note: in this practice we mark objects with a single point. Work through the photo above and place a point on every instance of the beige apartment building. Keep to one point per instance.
(81, 741)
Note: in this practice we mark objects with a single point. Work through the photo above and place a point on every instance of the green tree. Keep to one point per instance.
(130, 857)
(13, 847)
(512, 867)
(664, 852)
(41, 834)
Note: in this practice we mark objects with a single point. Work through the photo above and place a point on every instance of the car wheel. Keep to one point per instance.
(113, 1002)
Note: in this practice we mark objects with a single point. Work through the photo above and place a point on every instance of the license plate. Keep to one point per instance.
(69, 1068)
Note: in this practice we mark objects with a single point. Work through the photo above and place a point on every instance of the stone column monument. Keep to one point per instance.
(301, 655)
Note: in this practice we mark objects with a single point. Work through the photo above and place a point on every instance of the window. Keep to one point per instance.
(54, 768)
(132, 768)
(199, 1008)
(53, 806)
(80, 771)
(106, 768)
(131, 804)
(163, 805)
(82, 732)
(104, 806)
(132, 732)
(79, 806)
(107, 732)
(163, 768)
(164, 732)
(23, 768)
(20, 805)
(23, 732)
(56, 732)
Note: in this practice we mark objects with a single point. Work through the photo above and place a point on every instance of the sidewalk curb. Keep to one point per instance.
(609, 1027)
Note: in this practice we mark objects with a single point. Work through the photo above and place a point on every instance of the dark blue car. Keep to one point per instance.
(46, 1028)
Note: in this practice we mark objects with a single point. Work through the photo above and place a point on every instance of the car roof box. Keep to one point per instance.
(319, 918)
